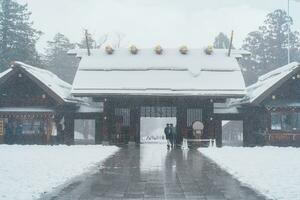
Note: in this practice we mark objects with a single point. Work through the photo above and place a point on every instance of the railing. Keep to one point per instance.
(212, 142)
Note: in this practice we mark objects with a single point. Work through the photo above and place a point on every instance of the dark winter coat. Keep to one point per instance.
(173, 135)
(168, 132)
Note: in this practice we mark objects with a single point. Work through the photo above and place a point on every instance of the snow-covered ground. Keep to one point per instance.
(28, 171)
(272, 171)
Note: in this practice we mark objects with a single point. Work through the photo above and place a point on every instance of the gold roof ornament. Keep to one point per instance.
(109, 49)
(209, 50)
(158, 49)
(183, 49)
(133, 49)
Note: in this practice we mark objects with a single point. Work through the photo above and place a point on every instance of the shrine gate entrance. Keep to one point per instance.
(153, 122)
(122, 117)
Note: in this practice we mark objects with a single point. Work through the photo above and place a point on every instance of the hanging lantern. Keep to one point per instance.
(158, 49)
(209, 50)
(273, 97)
(133, 49)
(183, 50)
(109, 49)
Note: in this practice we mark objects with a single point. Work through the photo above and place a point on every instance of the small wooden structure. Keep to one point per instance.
(36, 107)
(271, 108)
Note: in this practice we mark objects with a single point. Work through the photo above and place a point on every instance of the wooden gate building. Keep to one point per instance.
(134, 83)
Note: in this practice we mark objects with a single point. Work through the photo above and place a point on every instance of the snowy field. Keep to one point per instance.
(28, 171)
(272, 171)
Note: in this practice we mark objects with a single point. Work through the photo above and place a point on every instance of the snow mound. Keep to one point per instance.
(28, 171)
(272, 171)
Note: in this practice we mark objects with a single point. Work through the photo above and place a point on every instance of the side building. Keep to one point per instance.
(271, 108)
(36, 107)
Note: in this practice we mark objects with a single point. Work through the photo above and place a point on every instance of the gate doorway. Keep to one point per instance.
(85, 130)
(152, 129)
(232, 133)
(153, 122)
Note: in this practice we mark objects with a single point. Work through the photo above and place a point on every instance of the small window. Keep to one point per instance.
(298, 122)
(287, 122)
(275, 121)
(28, 127)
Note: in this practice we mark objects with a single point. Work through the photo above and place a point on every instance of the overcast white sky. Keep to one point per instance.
(146, 23)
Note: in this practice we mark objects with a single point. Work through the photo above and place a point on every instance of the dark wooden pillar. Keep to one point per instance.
(208, 119)
(69, 130)
(218, 131)
(107, 120)
(98, 125)
(248, 131)
(138, 126)
(181, 123)
(134, 130)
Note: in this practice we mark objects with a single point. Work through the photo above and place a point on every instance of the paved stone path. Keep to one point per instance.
(153, 172)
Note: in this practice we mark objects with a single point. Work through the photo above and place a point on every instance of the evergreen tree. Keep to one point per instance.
(93, 44)
(57, 59)
(221, 41)
(17, 36)
(91, 41)
(269, 46)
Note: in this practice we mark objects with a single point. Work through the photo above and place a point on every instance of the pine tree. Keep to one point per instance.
(91, 41)
(269, 45)
(93, 44)
(57, 59)
(17, 36)
(221, 41)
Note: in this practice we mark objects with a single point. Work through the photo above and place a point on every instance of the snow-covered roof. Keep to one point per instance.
(168, 74)
(49, 80)
(268, 83)
(26, 110)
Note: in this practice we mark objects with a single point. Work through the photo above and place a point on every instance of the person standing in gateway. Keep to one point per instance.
(168, 133)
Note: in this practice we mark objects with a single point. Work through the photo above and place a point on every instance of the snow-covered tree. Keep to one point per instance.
(58, 61)
(91, 41)
(17, 36)
(221, 41)
(269, 46)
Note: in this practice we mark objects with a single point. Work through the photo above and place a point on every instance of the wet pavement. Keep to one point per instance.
(153, 172)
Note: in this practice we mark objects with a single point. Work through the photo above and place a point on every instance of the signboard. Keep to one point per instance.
(1, 127)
